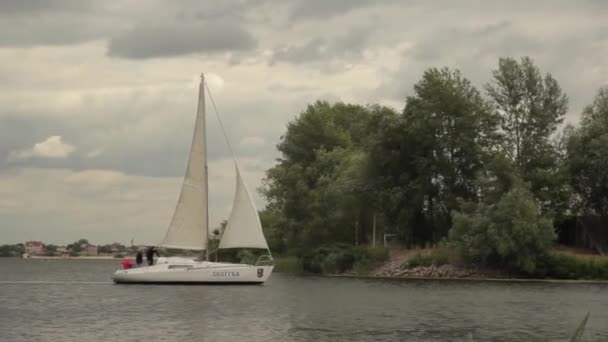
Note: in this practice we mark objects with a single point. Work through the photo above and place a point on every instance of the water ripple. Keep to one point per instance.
(76, 301)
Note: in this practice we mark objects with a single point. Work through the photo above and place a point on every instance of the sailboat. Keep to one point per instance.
(189, 227)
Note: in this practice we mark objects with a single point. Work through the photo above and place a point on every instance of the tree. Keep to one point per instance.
(428, 158)
(11, 250)
(273, 222)
(76, 247)
(105, 249)
(587, 151)
(50, 250)
(531, 108)
(513, 233)
(322, 147)
(340, 197)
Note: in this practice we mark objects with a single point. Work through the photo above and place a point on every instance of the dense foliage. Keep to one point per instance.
(339, 258)
(563, 266)
(11, 250)
(588, 157)
(512, 233)
(492, 167)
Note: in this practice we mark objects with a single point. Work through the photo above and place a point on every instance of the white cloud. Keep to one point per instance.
(107, 205)
(52, 147)
(101, 205)
(216, 82)
(95, 153)
(250, 142)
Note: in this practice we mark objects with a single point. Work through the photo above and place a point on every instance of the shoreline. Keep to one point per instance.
(99, 257)
(472, 279)
(374, 277)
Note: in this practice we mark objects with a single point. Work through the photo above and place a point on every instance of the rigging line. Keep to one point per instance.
(217, 114)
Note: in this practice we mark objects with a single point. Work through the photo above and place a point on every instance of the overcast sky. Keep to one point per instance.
(97, 99)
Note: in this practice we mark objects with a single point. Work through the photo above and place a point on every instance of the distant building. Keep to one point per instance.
(116, 247)
(34, 248)
(62, 251)
(88, 249)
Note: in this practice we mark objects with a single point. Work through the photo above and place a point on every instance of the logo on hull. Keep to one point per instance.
(226, 274)
(260, 272)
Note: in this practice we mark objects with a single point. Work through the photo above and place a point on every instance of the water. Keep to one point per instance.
(74, 300)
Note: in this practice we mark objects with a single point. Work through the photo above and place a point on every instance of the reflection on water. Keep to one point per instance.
(74, 300)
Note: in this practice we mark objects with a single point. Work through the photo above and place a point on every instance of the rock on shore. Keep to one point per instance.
(396, 266)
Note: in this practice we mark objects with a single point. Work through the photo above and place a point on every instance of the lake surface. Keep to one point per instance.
(75, 300)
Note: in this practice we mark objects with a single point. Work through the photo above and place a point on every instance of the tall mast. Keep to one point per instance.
(202, 104)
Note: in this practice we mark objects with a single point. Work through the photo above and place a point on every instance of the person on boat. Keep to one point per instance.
(126, 263)
(139, 258)
(150, 255)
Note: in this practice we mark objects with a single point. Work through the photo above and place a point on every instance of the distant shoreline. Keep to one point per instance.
(98, 257)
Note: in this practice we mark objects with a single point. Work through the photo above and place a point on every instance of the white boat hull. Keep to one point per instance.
(187, 271)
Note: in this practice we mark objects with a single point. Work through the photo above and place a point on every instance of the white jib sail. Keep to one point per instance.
(188, 227)
(244, 229)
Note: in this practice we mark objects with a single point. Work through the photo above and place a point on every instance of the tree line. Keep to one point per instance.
(491, 170)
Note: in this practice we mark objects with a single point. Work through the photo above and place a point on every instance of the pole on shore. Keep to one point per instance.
(374, 232)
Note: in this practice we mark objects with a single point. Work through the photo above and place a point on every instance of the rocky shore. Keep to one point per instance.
(443, 271)
(397, 267)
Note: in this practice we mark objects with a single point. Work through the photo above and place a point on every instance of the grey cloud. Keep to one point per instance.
(322, 9)
(66, 22)
(289, 88)
(180, 39)
(37, 6)
(123, 142)
(161, 156)
(144, 126)
(223, 9)
(494, 39)
(50, 31)
(30, 23)
(597, 5)
(570, 57)
(307, 52)
(347, 46)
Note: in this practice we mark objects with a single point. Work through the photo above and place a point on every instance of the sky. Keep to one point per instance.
(98, 98)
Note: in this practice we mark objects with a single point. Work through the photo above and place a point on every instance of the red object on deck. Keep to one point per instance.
(126, 263)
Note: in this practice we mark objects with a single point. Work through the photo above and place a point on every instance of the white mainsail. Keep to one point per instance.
(188, 228)
(244, 229)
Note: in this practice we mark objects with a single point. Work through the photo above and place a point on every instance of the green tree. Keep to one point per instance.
(531, 108)
(75, 247)
(512, 233)
(588, 157)
(105, 249)
(340, 197)
(50, 250)
(273, 222)
(10, 250)
(321, 146)
(427, 159)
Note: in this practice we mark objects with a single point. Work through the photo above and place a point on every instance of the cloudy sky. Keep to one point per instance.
(97, 99)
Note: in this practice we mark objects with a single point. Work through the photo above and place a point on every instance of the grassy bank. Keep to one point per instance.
(441, 262)
(288, 264)
(566, 265)
(333, 259)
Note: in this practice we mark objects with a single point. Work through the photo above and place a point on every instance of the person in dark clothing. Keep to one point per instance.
(150, 255)
(139, 258)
